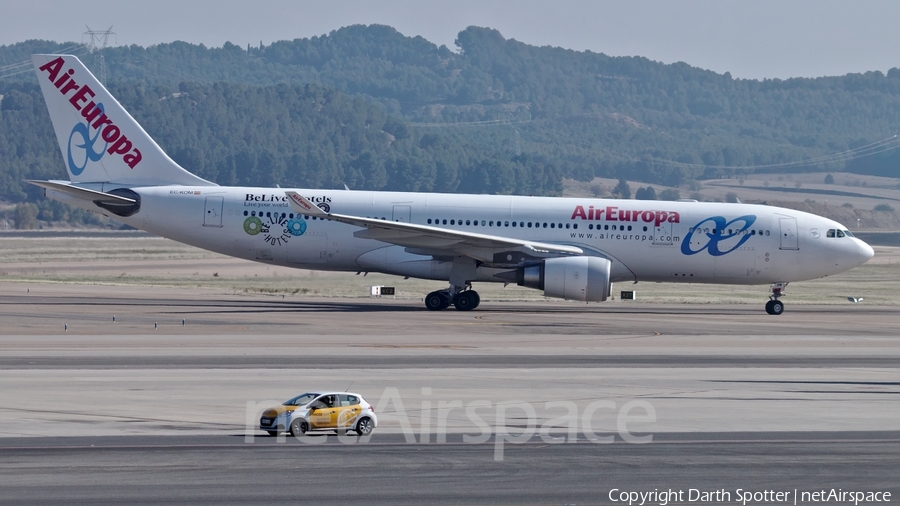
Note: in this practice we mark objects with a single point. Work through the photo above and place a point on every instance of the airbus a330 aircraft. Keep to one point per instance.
(571, 248)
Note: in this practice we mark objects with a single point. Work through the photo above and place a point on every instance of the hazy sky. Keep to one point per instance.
(751, 39)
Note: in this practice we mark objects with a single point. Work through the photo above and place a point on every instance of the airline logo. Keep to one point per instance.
(300, 202)
(715, 232)
(613, 213)
(105, 130)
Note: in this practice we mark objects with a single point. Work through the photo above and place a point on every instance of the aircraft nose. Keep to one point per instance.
(865, 251)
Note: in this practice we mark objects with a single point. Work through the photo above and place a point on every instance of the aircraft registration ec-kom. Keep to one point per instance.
(570, 248)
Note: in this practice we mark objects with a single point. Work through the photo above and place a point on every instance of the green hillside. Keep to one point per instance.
(372, 108)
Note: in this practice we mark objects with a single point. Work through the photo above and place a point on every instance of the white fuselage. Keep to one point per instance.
(570, 248)
(664, 241)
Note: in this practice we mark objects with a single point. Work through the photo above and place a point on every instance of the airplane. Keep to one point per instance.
(570, 248)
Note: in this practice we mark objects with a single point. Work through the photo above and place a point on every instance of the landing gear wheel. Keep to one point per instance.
(364, 426)
(435, 301)
(299, 428)
(774, 307)
(466, 301)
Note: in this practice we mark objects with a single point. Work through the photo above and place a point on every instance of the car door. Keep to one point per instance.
(323, 413)
(349, 409)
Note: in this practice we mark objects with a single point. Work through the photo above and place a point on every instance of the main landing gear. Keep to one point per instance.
(775, 306)
(460, 293)
(463, 301)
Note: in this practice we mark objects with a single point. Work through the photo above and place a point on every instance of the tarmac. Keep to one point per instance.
(151, 395)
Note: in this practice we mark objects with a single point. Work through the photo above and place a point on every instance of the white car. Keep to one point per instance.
(320, 411)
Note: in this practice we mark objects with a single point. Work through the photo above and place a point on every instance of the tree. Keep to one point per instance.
(670, 194)
(731, 197)
(647, 193)
(622, 189)
(829, 179)
(26, 216)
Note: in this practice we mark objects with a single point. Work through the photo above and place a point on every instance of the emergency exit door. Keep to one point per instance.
(401, 214)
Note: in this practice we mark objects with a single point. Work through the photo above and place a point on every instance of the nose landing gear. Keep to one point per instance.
(775, 306)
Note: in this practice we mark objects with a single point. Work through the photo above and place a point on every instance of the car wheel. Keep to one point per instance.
(364, 426)
(299, 427)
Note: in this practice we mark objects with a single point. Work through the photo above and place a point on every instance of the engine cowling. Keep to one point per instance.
(574, 278)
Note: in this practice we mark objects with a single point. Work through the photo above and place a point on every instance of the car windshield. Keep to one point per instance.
(301, 400)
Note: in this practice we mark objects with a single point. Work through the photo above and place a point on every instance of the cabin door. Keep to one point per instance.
(212, 212)
(789, 233)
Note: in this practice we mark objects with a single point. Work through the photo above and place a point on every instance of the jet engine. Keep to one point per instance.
(573, 278)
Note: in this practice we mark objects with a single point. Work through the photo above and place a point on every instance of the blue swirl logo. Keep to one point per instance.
(86, 151)
(716, 233)
(296, 226)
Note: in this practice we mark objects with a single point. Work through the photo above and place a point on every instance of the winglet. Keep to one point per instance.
(302, 205)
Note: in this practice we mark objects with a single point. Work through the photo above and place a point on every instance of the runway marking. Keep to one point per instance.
(119, 417)
(273, 444)
(415, 346)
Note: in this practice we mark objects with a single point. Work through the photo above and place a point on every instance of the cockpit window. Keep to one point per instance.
(847, 233)
(830, 233)
(840, 233)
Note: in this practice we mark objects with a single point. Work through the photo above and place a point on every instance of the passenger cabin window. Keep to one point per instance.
(348, 400)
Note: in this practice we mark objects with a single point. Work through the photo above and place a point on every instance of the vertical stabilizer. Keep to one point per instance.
(100, 141)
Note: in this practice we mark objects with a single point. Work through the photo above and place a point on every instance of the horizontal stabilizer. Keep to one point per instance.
(81, 193)
(120, 201)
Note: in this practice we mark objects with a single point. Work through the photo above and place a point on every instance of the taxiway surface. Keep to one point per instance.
(160, 405)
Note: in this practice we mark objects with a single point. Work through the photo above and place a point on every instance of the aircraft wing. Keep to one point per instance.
(438, 241)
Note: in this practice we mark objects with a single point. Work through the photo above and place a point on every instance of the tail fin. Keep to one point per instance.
(100, 141)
